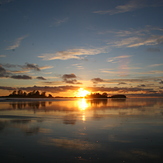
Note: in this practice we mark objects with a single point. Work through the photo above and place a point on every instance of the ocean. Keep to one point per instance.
(81, 130)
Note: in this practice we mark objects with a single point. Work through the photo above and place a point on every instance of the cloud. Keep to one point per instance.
(45, 67)
(72, 54)
(70, 79)
(16, 43)
(113, 59)
(161, 82)
(142, 85)
(68, 76)
(40, 78)
(58, 22)
(7, 88)
(121, 83)
(133, 32)
(2, 56)
(31, 66)
(130, 6)
(9, 74)
(153, 50)
(28, 66)
(21, 77)
(3, 72)
(5, 1)
(155, 65)
(97, 80)
(19, 72)
(139, 41)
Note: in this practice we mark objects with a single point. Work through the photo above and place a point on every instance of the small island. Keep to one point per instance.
(33, 94)
(117, 96)
(97, 95)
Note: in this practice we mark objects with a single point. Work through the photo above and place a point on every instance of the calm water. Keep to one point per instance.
(79, 130)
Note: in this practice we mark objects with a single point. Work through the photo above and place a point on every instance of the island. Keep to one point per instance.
(33, 94)
(117, 96)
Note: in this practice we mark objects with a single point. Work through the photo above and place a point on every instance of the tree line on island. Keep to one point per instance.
(38, 94)
(104, 95)
(33, 94)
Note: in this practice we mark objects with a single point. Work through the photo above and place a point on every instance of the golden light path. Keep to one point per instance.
(83, 105)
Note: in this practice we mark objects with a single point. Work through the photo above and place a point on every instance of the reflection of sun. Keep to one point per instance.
(82, 104)
(82, 92)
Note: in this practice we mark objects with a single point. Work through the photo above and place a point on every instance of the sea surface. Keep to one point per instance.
(81, 130)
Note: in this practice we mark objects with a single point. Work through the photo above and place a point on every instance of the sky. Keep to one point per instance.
(59, 46)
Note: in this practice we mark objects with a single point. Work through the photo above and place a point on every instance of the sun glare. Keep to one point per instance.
(82, 92)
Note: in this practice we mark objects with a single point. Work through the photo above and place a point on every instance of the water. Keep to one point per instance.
(80, 130)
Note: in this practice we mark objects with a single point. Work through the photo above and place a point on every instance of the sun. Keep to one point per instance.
(82, 92)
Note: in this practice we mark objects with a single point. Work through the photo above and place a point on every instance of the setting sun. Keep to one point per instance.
(82, 92)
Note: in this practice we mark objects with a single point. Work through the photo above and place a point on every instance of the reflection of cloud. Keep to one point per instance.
(113, 138)
(16, 43)
(22, 124)
(136, 155)
(75, 144)
(69, 119)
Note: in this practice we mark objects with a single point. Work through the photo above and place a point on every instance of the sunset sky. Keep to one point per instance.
(59, 46)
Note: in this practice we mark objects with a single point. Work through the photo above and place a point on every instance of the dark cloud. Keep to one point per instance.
(70, 79)
(97, 80)
(153, 50)
(142, 85)
(58, 89)
(7, 88)
(3, 72)
(32, 67)
(69, 76)
(73, 81)
(21, 77)
(40, 78)
(28, 66)
(8, 65)
(161, 82)
(121, 83)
